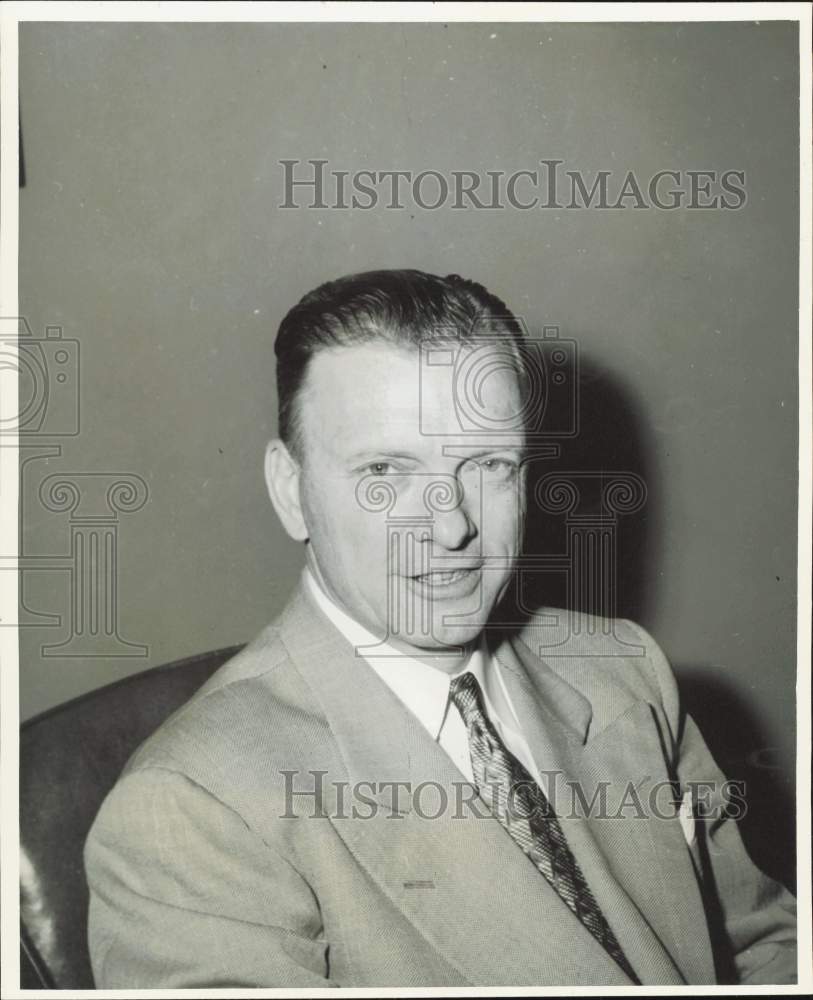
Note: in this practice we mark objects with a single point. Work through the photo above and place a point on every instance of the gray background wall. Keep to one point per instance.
(150, 231)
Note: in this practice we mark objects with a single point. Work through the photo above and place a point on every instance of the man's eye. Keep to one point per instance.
(498, 468)
(379, 468)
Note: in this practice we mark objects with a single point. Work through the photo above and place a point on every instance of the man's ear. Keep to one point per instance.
(282, 478)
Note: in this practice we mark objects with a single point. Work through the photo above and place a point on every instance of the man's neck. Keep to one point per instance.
(448, 660)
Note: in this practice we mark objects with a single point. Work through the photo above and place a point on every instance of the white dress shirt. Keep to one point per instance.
(424, 689)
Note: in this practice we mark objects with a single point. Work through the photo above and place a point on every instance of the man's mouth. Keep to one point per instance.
(437, 577)
(454, 580)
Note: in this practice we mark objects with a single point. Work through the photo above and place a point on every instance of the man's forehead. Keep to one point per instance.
(379, 392)
(445, 368)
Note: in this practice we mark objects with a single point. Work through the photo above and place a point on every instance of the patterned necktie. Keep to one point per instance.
(524, 811)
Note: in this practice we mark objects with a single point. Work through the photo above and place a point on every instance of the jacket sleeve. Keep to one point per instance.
(752, 918)
(170, 908)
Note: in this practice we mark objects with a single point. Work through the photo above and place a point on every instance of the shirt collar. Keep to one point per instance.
(423, 689)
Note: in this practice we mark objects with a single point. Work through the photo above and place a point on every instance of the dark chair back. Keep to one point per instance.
(70, 758)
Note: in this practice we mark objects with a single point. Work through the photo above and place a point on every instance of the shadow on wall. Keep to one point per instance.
(740, 746)
(612, 445)
(613, 439)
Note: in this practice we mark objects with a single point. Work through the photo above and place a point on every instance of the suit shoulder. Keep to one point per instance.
(255, 700)
(255, 720)
(576, 633)
(599, 655)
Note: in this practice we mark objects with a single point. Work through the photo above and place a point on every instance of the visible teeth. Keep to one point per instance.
(441, 578)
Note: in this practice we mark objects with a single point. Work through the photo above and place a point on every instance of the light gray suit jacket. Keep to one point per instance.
(203, 873)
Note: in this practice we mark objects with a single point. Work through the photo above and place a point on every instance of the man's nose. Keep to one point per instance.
(453, 524)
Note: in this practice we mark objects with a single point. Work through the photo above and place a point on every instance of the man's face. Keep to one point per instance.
(413, 524)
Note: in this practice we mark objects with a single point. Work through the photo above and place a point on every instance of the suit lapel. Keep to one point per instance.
(637, 866)
(647, 853)
(457, 875)
(450, 869)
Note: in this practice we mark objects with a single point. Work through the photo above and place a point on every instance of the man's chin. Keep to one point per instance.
(443, 638)
(445, 627)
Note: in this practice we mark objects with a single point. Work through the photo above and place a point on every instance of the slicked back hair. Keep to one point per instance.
(399, 307)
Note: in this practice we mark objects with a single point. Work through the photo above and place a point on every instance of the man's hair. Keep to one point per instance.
(399, 307)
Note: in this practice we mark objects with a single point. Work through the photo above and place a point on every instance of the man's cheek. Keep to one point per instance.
(500, 521)
(368, 546)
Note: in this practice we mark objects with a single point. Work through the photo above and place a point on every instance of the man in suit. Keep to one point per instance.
(392, 785)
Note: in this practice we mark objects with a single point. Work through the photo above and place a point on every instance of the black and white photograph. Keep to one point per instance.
(405, 484)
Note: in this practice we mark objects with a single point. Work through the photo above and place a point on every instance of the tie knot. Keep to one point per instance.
(467, 698)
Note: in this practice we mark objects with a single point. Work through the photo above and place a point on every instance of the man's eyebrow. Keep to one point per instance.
(482, 451)
(370, 454)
